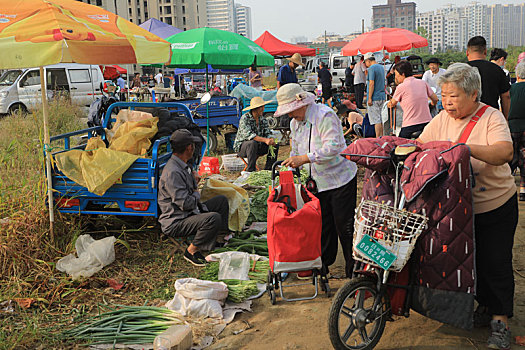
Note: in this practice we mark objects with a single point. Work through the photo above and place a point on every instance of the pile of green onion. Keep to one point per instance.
(126, 325)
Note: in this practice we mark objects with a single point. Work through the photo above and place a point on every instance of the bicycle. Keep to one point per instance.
(384, 237)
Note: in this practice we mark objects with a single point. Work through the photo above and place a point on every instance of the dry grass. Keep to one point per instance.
(146, 262)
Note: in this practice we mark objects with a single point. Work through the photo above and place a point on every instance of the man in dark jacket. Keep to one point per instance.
(183, 214)
(325, 78)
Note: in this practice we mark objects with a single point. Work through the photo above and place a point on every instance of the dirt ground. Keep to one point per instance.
(303, 325)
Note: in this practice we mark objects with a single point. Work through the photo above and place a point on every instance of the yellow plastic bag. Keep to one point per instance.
(238, 201)
(97, 168)
(134, 136)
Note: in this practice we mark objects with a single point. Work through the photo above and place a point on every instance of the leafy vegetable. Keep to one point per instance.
(271, 151)
(258, 206)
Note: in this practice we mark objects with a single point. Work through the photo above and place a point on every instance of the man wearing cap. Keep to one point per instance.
(317, 142)
(182, 213)
(376, 95)
(431, 77)
(252, 140)
(287, 72)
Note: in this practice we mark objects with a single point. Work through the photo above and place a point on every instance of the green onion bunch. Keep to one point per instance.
(126, 325)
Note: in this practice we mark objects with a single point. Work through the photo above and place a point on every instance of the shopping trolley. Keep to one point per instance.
(294, 235)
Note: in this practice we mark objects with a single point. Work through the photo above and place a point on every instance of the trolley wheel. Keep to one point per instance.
(272, 297)
(327, 289)
(353, 323)
(269, 284)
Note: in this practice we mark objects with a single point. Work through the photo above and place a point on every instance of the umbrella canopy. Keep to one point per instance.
(388, 39)
(36, 33)
(159, 28)
(276, 47)
(196, 48)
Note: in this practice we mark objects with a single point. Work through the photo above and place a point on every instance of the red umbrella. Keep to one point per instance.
(276, 47)
(388, 39)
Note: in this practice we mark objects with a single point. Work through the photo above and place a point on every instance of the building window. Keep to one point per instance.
(168, 20)
(99, 2)
(145, 5)
(129, 11)
(167, 10)
(183, 10)
(183, 20)
(160, 10)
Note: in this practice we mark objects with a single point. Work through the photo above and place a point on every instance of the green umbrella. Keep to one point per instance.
(197, 48)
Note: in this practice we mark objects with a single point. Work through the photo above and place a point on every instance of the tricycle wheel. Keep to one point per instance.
(272, 121)
(358, 315)
(213, 140)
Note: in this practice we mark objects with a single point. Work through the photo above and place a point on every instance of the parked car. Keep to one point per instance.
(20, 88)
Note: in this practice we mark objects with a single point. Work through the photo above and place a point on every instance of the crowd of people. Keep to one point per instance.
(479, 90)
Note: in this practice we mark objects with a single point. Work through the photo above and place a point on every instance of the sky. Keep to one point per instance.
(287, 19)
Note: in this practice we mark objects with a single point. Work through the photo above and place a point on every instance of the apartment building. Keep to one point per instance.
(507, 25)
(395, 14)
(221, 14)
(243, 20)
(183, 14)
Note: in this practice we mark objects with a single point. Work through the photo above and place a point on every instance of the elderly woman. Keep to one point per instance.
(317, 141)
(413, 95)
(253, 136)
(517, 124)
(495, 204)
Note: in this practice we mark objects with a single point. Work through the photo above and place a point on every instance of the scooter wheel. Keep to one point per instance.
(354, 323)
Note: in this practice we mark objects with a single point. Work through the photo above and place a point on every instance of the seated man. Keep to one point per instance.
(183, 214)
(252, 139)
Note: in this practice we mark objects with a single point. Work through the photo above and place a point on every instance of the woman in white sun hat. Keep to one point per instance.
(317, 141)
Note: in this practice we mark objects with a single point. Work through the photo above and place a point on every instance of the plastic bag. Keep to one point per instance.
(93, 255)
(97, 169)
(238, 201)
(234, 266)
(198, 298)
(134, 136)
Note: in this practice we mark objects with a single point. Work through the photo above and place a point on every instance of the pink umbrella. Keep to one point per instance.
(387, 39)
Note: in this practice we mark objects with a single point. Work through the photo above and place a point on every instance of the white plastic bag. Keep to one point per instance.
(93, 255)
(234, 266)
(198, 298)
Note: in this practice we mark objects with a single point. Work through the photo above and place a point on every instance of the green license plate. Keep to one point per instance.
(376, 252)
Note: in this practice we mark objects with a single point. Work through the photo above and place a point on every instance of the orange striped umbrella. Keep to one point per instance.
(36, 33)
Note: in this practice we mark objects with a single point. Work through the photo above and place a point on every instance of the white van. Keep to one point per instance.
(336, 64)
(20, 88)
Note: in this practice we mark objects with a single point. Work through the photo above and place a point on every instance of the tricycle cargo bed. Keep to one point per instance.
(135, 194)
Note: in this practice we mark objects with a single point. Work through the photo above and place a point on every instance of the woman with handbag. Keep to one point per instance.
(485, 131)
(317, 141)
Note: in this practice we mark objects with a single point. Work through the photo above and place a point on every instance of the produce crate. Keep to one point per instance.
(231, 162)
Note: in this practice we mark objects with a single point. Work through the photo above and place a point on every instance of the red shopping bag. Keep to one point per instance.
(294, 229)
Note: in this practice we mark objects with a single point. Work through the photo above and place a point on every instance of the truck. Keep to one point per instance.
(136, 193)
(336, 64)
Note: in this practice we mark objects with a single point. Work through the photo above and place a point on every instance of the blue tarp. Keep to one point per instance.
(210, 71)
(248, 92)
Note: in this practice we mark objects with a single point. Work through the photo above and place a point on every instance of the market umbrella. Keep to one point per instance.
(279, 48)
(384, 39)
(198, 48)
(161, 29)
(37, 33)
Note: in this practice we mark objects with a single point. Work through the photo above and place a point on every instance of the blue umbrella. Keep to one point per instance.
(159, 28)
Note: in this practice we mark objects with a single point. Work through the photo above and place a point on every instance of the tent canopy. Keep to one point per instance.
(276, 47)
(159, 28)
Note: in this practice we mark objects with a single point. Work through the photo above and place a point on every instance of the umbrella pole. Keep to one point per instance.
(207, 118)
(47, 151)
(92, 86)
